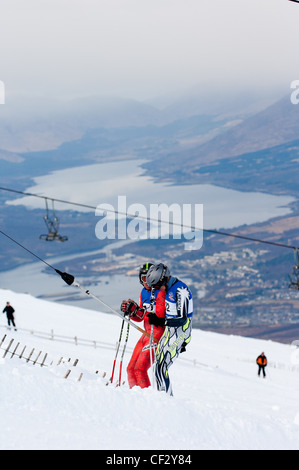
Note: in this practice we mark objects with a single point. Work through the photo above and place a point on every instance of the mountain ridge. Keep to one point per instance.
(276, 125)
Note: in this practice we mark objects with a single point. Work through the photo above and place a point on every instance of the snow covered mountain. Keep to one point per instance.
(219, 402)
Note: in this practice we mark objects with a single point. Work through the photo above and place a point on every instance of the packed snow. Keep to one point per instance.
(219, 401)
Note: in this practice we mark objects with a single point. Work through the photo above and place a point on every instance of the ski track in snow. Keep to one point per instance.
(218, 404)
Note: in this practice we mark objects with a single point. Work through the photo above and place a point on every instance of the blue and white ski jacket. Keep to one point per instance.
(178, 303)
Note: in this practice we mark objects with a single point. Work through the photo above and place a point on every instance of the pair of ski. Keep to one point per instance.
(152, 341)
(118, 344)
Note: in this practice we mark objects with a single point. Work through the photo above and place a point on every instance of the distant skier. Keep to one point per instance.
(262, 363)
(140, 362)
(9, 310)
(178, 321)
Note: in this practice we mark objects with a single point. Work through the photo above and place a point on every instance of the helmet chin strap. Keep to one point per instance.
(163, 273)
(163, 279)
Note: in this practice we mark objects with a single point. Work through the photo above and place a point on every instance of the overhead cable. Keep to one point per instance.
(134, 216)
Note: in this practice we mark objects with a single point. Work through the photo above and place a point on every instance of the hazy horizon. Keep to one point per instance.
(57, 49)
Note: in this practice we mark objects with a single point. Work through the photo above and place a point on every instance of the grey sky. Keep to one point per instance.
(143, 48)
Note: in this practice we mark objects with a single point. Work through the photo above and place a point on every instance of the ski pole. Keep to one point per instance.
(152, 343)
(152, 350)
(151, 355)
(117, 349)
(123, 353)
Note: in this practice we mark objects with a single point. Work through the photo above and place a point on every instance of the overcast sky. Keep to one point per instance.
(144, 48)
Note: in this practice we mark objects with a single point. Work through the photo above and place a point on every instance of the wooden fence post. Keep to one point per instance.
(4, 355)
(30, 355)
(43, 362)
(67, 374)
(2, 341)
(14, 352)
(37, 358)
(22, 352)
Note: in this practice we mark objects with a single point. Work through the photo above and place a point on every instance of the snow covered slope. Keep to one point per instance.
(219, 402)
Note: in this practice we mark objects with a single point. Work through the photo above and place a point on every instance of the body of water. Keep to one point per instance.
(103, 184)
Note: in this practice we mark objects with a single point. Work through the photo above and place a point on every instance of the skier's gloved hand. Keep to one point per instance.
(155, 320)
(129, 307)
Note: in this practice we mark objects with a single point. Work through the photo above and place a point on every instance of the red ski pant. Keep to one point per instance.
(139, 364)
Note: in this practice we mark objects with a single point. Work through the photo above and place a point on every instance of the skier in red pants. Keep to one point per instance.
(140, 361)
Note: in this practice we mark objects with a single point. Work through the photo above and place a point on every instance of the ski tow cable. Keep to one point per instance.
(70, 280)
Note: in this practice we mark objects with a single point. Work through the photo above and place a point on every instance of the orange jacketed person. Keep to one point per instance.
(262, 362)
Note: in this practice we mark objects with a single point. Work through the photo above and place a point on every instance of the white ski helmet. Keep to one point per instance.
(157, 275)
